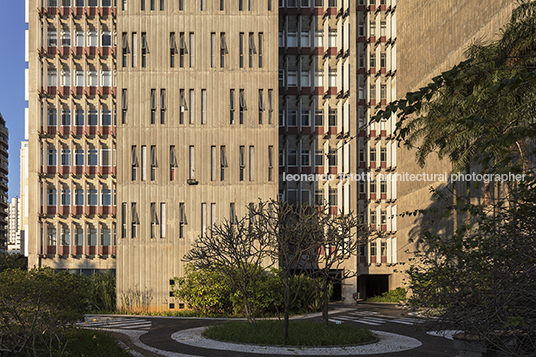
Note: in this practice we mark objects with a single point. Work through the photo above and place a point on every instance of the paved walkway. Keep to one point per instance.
(181, 337)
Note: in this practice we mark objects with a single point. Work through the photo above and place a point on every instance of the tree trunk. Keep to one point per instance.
(286, 312)
(247, 308)
(325, 301)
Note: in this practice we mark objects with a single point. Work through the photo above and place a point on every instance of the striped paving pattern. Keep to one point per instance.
(115, 323)
(372, 318)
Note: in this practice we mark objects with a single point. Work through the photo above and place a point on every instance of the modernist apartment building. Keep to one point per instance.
(151, 120)
(4, 202)
(14, 220)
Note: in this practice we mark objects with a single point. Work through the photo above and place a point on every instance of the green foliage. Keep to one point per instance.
(14, 261)
(205, 291)
(101, 291)
(302, 333)
(396, 295)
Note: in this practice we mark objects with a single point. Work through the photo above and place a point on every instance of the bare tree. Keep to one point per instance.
(235, 250)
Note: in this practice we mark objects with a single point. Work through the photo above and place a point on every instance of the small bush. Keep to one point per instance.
(395, 295)
(301, 333)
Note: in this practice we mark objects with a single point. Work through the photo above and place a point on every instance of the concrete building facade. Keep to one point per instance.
(14, 221)
(23, 202)
(4, 202)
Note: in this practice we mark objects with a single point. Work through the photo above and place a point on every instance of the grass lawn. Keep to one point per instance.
(88, 343)
(301, 333)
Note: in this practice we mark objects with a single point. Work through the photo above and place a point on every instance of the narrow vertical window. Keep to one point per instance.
(153, 106)
(183, 49)
(143, 49)
(212, 216)
(251, 162)
(213, 50)
(134, 221)
(223, 163)
(191, 98)
(243, 106)
(162, 106)
(181, 5)
(182, 219)
(242, 162)
(261, 105)
(154, 219)
(232, 106)
(134, 163)
(250, 5)
(203, 219)
(143, 163)
(252, 49)
(183, 106)
(222, 5)
(153, 5)
(232, 213)
(162, 220)
(203, 5)
(191, 53)
(191, 163)
(125, 49)
(223, 49)
(162, 7)
(261, 49)
(134, 49)
(203, 106)
(212, 163)
(123, 220)
(270, 5)
(241, 48)
(240, 5)
(270, 163)
(270, 106)
(172, 49)
(153, 163)
(172, 163)
(142, 7)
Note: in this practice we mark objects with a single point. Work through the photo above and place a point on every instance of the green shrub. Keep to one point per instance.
(207, 292)
(101, 291)
(395, 295)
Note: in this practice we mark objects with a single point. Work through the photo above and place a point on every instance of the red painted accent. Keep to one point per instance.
(318, 51)
(306, 170)
(362, 165)
(383, 7)
(319, 130)
(52, 90)
(318, 91)
(362, 196)
(292, 11)
(305, 51)
(106, 130)
(333, 210)
(52, 130)
(51, 170)
(383, 196)
(114, 11)
(91, 51)
(92, 170)
(372, 8)
(319, 170)
(373, 102)
(362, 259)
(65, 130)
(293, 51)
(114, 91)
(114, 250)
(91, 210)
(373, 133)
(383, 39)
(281, 51)
(383, 70)
(78, 51)
(78, 130)
(114, 210)
(51, 250)
(306, 90)
(373, 164)
(361, 102)
(79, 11)
(65, 249)
(105, 90)
(372, 196)
(78, 210)
(383, 101)
(114, 51)
(104, 209)
(361, 71)
(105, 51)
(105, 250)
(333, 130)
(361, 8)
(106, 11)
(306, 130)
(362, 134)
(384, 259)
(281, 170)
(52, 11)
(383, 164)
(372, 71)
(79, 170)
(65, 170)
(91, 90)
(372, 39)
(91, 250)
(332, 90)
(65, 51)
(282, 130)
(318, 11)
(51, 210)
(65, 210)
(373, 258)
(332, 11)
(305, 12)
(293, 170)
(78, 250)
(92, 11)
(383, 133)
(78, 90)
(106, 170)
(332, 51)
(292, 90)
(92, 130)
(361, 39)
(333, 170)
(292, 130)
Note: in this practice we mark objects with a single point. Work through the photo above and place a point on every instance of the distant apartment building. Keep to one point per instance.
(4, 202)
(14, 232)
(23, 201)
(149, 121)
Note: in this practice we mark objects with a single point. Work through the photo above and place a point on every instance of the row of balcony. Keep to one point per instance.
(66, 250)
(78, 170)
(75, 131)
(78, 11)
(78, 51)
(77, 91)
(78, 211)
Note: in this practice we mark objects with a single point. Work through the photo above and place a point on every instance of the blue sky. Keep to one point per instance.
(12, 66)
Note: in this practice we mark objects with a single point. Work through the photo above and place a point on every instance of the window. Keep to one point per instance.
(79, 39)
(223, 49)
(92, 158)
(305, 118)
(304, 39)
(65, 157)
(223, 163)
(319, 157)
(153, 106)
(373, 248)
(134, 220)
(332, 159)
(181, 5)
(106, 197)
(333, 197)
(292, 79)
(281, 157)
(172, 49)
(332, 78)
(305, 79)
(319, 118)
(66, 38)
(183, 106)
(361, 30)
(383, 29)
(251, 162)
(292, 118)
(79, 118)
(182, 219)
(162, 220)
(52, 78)
(305, 158)
(162, 5)
(383, 187)
(52, 3)
(191, 163)
(281, 78)
(261, 49)
(292, 158)
(372, 155)
(124, 103)
(252, 49)
(92, 39)
(92, 79)
(154, 219)
(106, 39)
(52, 40)
(383, 91)
(142, 7)
(373, 28)
(213, 50)
(106, 157)
(372, 60)
(143, 49)
(79, 158)
(240, 5)
(153, 5)
(66, 117)
(52, 157)
(173, 164)
(319, 197)
(241, 48)
(65, 78)
(153, 163)
(270, 106)
(261, 105)
(143, 163)
(51, 197)
(212, 163)
(162, 106)
(203, 5)
(134, 163)
(191, 53)
(222, 5)
(93, 3)
(243, 107)
(79, 197)
(292, 39)
(332, 118)
(232, 213)
(106, 79)
(242, 162)
(183, 49)
(191, 105)
(304, 3)
(65, 236)
(65, 198)
(319, 3)
(270, 163)
(92, 197)
(270, 5)
(203, 106)
(319, 39)
(232, 106)
(106, 236)
(372, 92)
(123, 220)
(79, 79)
(332, 3)
(92, 118)
(51, 236)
